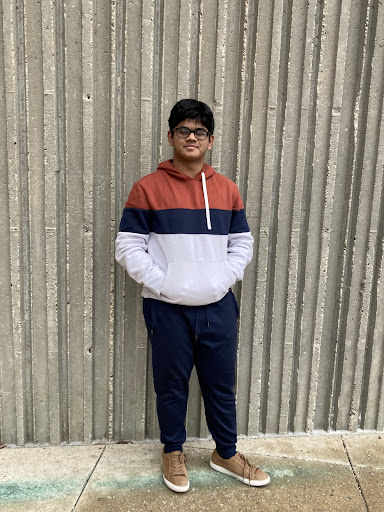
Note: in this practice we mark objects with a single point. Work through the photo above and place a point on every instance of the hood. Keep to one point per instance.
(206, 172)
(168, 167)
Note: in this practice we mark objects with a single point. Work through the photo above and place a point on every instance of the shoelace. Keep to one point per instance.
(178, 464)
(247, 466)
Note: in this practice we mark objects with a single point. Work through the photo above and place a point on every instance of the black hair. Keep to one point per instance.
(191, 109)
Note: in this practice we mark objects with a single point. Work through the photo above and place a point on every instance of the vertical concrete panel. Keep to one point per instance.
(8, 432)
(372, 325)
(208, 34)
(357, 337)
(148, 107)
(187, 49)
(24, 225)
(320, 215)
(86, 88)
(76, 229)
(271, 184)
(61, 223)
(88, 148)
(345, 181)
(101, 17)
(118, 368)
(231, 60)
(11, 122)
(290, 201)
(280, 221)
(300, 218)
(248, 24)
(303, 343)
(251, 358)
(37, 264)
(245, 294)
(127, 170)
(50, 141)
(219, 79)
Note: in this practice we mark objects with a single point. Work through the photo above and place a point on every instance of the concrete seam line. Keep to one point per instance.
(88, 479)
(355, 475)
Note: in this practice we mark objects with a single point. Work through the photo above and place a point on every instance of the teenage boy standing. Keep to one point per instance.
(184, 235)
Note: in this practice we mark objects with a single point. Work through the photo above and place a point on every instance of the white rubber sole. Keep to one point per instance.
(176, 488)
(253, 483)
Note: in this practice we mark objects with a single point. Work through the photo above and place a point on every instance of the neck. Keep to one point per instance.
(191, 169)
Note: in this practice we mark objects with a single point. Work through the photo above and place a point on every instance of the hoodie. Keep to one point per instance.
(185, 239)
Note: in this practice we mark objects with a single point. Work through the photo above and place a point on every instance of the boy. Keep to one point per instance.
(184, 235)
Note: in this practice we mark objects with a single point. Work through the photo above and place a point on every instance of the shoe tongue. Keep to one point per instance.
(178, 459)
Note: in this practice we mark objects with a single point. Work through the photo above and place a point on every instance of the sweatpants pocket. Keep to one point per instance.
(235, 303)
(148, 318)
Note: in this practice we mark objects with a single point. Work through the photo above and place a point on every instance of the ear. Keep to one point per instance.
(211, 138)
(170, 138)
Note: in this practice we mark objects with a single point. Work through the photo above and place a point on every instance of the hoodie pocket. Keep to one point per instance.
(195, 283)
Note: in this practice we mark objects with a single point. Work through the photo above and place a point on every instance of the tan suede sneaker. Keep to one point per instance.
(239, 467)
(174, 471)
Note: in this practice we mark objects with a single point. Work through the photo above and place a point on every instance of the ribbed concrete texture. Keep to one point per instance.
(85, 93)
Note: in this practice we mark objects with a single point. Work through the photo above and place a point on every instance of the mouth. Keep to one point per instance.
(190, 146)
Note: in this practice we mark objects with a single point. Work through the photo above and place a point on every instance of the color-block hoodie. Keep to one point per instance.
(186, 239)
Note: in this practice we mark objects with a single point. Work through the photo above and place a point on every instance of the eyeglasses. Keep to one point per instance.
(184, 132)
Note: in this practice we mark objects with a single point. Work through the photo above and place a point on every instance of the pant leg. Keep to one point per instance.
(215, 361)
(172, 363)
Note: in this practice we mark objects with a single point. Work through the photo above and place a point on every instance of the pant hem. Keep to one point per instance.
(173, 448)
(226, 453)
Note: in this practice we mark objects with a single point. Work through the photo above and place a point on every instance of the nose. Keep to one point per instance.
(191, 135)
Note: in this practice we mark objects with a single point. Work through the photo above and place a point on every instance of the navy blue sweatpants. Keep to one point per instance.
(204, 336)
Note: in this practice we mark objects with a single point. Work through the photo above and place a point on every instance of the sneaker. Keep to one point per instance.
(239, 467)
(174, 471)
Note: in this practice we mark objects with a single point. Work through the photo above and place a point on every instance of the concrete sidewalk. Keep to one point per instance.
(308, 473)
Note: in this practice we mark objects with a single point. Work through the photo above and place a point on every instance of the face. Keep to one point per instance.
(190, 148)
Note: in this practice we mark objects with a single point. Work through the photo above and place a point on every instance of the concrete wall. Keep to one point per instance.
(86, 88)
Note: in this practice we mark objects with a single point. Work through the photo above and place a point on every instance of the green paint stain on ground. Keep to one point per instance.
(35, 491)
(198, 479)
(207, 478)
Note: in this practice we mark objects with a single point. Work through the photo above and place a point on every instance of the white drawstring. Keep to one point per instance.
(207, 212)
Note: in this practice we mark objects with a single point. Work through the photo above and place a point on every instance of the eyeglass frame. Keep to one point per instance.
(208, 134)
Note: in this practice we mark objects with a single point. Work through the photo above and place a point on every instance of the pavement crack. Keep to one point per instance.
(355, 474)
(88, 479)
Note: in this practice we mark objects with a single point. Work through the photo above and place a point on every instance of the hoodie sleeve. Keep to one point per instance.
(132, 242)
(240, 240)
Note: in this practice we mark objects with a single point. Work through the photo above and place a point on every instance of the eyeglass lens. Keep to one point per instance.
(199, 133)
